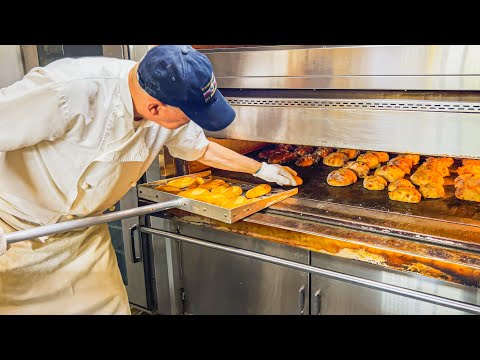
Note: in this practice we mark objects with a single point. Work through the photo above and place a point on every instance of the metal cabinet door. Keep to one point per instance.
(217, 282)
(334, 297)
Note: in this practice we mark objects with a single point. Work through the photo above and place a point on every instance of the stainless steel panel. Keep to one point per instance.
(220, 283)
(136, 288)
(424, 132)
(331, 297)
(167, 265)
(435, 67)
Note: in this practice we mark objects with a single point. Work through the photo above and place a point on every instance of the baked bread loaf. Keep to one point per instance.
(323, 151)
(335, 159)
(468, 193)
(437, 165)
(432, 191)
(307, 160)
(374, 182)
(282, 158)
(304, 150)
(360, 169)
(258, 191)
(382, 156)
(403, 163)
(471, 162)
(341, 177)
(400, 183)
(351, 153)
(404, 194)
(423, 176)
(390, 172)
(468, 169)
(370, 159)
(414, 157)
(470, 180)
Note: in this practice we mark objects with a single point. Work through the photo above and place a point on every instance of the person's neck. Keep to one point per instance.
(132, 85)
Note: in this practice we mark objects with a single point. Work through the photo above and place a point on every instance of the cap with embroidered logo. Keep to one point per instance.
(180, 76)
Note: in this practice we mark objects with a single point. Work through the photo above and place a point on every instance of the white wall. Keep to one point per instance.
(11, 68)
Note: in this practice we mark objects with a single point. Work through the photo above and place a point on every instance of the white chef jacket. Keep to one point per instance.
(69, 147)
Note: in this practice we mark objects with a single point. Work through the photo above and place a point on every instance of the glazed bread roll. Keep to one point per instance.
(181, 183)
(403, 163)
(414, 157)
(422, 177)
(360, 169)
(447, 161)
(304, 150)
(341, 177)
(193, 193)
(235, 202)
(211, 184)
(432, 191)
(335, 159)
(169, 189)
(400, 183)
(370, 159)
(374, 182)
(390, 172)
(307, 160)
(436, 165)
(468, 193)
(323, 151)
(469, 180)
(471, 162)
(282, 158)
(351, 153)
(259, 190)
(404, 194)
(382, 156)
(468, 169)
(284, 147)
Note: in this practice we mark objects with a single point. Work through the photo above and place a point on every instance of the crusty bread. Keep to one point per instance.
(382, 156)
(390, 172)
(341, 177)
(351, 153)
(437, 165)
(370, 159)
(335, 159)
(471, 162)
(422, 177)
(403, 163)
(414, 157)
(374, 182)
(400, 183)
(181, 183)
(470, 180)
(359, 168)
(258, 191)
(404, 194)
(468, 193)
(307, 160)
(432, 191)
(323, 151)
(468, 169)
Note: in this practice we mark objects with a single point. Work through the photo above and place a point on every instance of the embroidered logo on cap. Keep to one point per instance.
(210, 89)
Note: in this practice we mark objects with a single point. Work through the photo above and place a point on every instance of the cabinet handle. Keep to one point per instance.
(317, 302)
(301, 300)
(135, 258)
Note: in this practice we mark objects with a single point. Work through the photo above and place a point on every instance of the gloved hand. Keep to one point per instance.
(3, 242)
(276, 173)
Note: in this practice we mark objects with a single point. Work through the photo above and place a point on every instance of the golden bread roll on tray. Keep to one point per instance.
(335, 159)
(468, 169)
(404, 194)
(400, 183)
(432, 191)
(390, 173)
(436, 165)
(258, 191)
(351, 153)
(181, 183)
(374, 182)
(405, 164)
(470, 180)
(382, 156)
(468, 193)
(471, 162)
(422, 177)
(236, 202)
(359, 168)
(169, 189)
(193, 193)
(212, 184)
(370, 159)
(414, 157)
(341, 177)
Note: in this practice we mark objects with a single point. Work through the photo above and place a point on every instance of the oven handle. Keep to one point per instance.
(434, 299)
(39, 231)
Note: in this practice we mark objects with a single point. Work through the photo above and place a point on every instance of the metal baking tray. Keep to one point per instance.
(147, 192)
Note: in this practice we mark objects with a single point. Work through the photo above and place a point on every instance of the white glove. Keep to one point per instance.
(275, 173)
(3, 242)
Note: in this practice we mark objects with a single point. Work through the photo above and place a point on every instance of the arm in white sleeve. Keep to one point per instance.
(188, 142)
(32, 110)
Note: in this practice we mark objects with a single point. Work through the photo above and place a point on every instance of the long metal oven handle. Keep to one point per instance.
(36, 232)
(439, 300)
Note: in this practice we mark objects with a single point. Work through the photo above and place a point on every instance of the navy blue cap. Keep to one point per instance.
(180, 76)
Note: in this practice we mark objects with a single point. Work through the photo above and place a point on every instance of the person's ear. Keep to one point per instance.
(155, 108)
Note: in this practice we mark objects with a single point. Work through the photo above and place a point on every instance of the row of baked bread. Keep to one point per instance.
(467, 183)
(303, 155)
